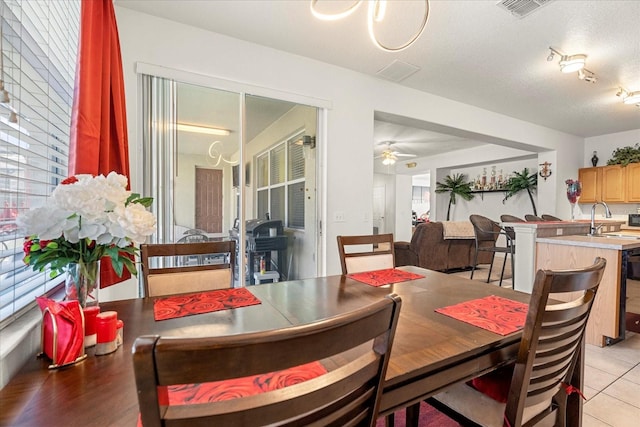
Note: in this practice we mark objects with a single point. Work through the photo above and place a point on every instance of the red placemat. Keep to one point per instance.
(192, 394)
(496, 314)
(202, 302)
(384, 277)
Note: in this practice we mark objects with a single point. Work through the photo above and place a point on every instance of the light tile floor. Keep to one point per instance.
(612, 374)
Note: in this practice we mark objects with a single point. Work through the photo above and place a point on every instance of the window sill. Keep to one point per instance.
(20, 341)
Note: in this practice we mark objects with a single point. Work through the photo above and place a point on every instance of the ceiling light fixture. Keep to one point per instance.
(629, 98)
(572, 64)
(202, 129)
(376, 13)
(388, 158)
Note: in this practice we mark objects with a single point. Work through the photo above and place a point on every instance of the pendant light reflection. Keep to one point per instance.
(216, 156)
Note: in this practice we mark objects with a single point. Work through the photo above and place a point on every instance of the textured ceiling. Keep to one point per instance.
(471, 51)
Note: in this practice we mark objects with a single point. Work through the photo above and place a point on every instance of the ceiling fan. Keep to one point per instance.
(389, 156)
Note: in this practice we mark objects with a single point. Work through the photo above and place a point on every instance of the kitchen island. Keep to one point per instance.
(527, 234)
(606, 323)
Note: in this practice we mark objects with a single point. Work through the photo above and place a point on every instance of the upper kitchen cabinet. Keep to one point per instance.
(591, 179)
(612, 184)
(633, 182)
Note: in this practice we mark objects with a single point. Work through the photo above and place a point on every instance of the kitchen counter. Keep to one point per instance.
(527, 234)
(605, 241)
(606, 323)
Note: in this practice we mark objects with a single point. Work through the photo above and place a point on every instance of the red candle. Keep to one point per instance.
(90, 314)
(106, 326)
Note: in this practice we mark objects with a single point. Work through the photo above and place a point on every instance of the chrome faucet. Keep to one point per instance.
(593, 230)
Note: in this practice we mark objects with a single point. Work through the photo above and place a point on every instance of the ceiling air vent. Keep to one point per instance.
(521, 8)
(398, 71)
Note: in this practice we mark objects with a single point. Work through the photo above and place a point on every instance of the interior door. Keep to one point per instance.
(208, 204)
(378, 210)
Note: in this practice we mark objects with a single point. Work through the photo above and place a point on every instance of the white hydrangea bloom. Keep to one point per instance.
(91, 208)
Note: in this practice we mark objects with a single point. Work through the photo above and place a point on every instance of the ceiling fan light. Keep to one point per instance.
(388, 161)
(572, 63)
(632, 98)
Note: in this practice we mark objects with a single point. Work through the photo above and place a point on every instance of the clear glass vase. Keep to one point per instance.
(574, 190)
(83, 282)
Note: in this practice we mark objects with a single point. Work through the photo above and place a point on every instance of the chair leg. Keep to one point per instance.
(390, 420)
(493, 256)
(504, 264)
(475, 263)
(513, 272)
(413, 415)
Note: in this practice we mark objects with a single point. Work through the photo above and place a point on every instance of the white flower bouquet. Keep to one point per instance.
(87, 218)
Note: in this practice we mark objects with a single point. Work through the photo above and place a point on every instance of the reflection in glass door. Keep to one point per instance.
(260, 193)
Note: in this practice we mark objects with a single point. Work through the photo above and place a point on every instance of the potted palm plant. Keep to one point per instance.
(520, 181)
(455, 185)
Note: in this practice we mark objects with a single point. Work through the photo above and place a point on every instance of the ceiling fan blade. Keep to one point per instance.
(405, 155)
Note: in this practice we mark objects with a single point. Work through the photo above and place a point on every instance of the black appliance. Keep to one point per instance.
(263, 238)
(634, 220)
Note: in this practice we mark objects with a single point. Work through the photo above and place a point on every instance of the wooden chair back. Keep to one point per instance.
(347, 395)
(175, 275)
(551, 342)
(366, 252)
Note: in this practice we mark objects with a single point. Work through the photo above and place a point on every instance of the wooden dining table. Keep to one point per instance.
(430, 350)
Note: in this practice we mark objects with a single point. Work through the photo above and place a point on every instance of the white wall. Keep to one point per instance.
(403, 218)
(605, 144)
(351, 99)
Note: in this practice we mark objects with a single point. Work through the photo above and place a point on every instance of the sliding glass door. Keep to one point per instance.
(228, 165)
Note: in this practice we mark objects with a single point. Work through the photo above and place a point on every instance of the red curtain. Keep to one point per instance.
(98, 121)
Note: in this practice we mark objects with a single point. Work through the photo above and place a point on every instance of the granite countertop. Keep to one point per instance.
(603, 241)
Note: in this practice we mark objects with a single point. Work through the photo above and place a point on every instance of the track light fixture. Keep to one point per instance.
(375, 16)
(629, 98)
(573, 63)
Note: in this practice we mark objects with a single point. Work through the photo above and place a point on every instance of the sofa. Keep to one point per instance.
(430, 249)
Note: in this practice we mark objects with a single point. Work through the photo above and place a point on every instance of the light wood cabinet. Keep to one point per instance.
(612, 184)
(633, 182)
(590, 178)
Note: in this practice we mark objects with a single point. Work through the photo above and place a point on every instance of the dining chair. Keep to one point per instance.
(487, 233)
(354, 346)
(164, 273)
(547, 217)
(533, 218)
(534, 390)
(366, 252)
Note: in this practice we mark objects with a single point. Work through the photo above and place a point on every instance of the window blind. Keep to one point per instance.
(280, 183)
(39, 52)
